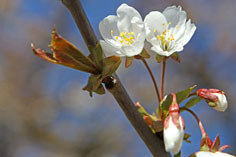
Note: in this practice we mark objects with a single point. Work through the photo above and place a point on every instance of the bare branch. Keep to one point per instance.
(113, 84)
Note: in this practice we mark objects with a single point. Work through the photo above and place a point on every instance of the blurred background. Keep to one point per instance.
(45, 113)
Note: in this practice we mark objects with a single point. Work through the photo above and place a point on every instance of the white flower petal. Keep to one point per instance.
(159, 50)
(129, 19)
(110, 50)
(177, 48)
(221, 104)
(189, 31)
(132, 50)
(173, 136)
(154, 21)
(211, 154)
(107, 25)
(175, 15)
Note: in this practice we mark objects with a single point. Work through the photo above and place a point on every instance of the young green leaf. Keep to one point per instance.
(62, 47)
(182, 95)
(65, 53)
(193, 101)
(110, 65)
(97, 55)
(166, 102)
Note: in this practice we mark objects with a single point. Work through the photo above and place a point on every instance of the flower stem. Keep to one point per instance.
(153, 80)
(192, 94)
(198, 120)
(162, 79)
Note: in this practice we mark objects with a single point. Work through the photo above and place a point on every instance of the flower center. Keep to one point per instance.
(125, 38)
(166, 37)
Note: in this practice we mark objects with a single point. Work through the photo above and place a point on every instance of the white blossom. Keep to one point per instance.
(173, 134)
(168, 32)
(211, 154)
(123, 34)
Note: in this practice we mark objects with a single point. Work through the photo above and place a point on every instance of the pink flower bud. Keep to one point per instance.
(214, 97)
(173, 128)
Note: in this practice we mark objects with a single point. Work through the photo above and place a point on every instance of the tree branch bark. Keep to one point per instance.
(115, 87)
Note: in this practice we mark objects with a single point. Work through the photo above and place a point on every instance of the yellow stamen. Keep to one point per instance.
(170, 23)
(154, 30)
(176, 26)
(164, 33)
(172, 37)
(163, 24)
(126, 38)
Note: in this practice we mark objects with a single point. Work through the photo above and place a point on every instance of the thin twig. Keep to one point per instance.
(162, 78)
(153, 80)
(198, 120)
(192, 94)
(155, 144)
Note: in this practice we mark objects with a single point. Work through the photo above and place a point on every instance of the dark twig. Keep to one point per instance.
(155, 145)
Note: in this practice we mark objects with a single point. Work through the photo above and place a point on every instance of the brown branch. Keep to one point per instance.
(113, 84)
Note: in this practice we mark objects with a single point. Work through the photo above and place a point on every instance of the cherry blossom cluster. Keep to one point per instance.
(124, 34)
(167, 32)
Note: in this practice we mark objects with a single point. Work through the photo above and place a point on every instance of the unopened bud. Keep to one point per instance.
(173, 128)
(215, 98)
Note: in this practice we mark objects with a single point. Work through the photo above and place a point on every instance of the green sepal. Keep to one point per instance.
(100, 90)
(110, 65)
(216, 144)
(205, 144)
(128, 61)
(204, 148)
(159, 58)
(186, 137)
(193, 101)
(94, 85)
(97, 55)
(178, 154)
(144, 54)
(211, 104)
(175, 56)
